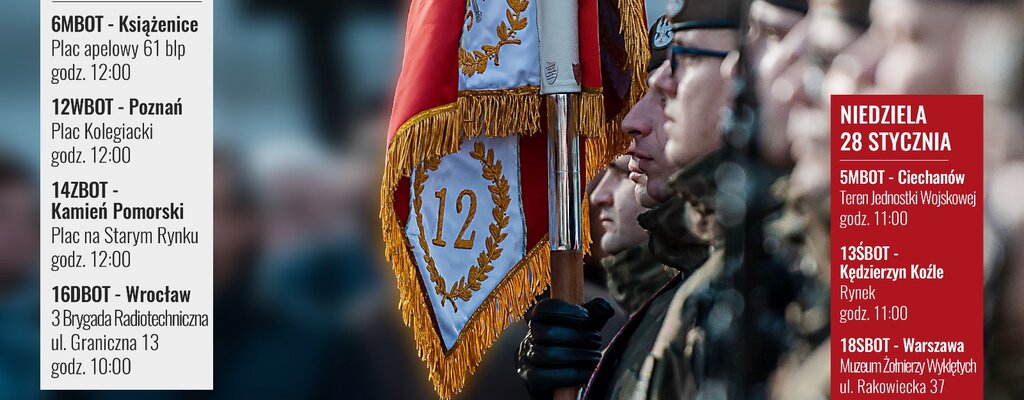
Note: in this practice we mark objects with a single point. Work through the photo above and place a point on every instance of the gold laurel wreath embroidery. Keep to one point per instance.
(471, 8)
(476, 62)
(464, 288)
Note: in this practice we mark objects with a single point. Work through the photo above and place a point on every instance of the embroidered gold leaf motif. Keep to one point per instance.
(476, 61)
(421, 178)
(499, 188)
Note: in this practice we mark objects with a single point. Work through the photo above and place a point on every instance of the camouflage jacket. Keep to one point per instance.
(671, 241)
(651, 357)
(802, 231)
(695, 184)
(634, 276)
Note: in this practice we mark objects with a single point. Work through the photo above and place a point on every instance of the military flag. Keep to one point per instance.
(464, 196)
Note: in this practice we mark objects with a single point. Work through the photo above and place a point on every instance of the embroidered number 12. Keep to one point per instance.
(460, 243)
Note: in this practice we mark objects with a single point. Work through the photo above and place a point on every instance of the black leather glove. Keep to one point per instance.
(563, 345)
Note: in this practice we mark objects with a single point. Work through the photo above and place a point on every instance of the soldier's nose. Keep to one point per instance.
(662, 82)
(637, 121)
(601, 196)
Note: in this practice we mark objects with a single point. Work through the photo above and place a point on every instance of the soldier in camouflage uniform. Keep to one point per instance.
(984, 68)
(633, 274)
(650, 357)
(769, 51)
(830, 28)
(684, 229)
(694, 91)
(959, 46)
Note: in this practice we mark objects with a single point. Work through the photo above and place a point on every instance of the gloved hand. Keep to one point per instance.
(563, 345)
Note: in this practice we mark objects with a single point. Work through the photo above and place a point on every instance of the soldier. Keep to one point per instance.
(633, 274)
(561, 347)
(774, 42)
(832, 29)
(769, 50)
(921, 41)
(698, 89)
(648, 167)
(694, 88)
(992, 66)
(695, 93)
(923, 50)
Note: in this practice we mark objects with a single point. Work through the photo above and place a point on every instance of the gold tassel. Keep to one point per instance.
(591, 118)
(611, 142)
(633, 24)
(603, 150)
(500, 113)
(429, 134)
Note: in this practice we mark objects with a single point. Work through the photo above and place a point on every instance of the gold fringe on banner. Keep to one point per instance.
(602, 150)
(591, 125)
(501, 112)
(610, 141)
(505, 112)
(429, 134)
(438, 132)
(603, 141)
(633, 25)
(591, 118)
(508, 302)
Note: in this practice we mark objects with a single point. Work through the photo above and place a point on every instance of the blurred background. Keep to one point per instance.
(305, 305)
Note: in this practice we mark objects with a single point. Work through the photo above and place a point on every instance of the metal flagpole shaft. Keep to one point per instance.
(564, 211)
(559, 62)
(565, 199)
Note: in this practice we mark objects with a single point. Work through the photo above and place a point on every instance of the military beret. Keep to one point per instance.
(659, 39)
(851, 11)
(704, 14)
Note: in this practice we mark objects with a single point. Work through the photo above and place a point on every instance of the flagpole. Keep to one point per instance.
(559, 68)
(565, 198)
(565, 213)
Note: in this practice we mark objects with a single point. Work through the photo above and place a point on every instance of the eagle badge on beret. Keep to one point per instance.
(661, 34)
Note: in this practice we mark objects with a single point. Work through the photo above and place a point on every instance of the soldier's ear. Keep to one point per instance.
(729, 65)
